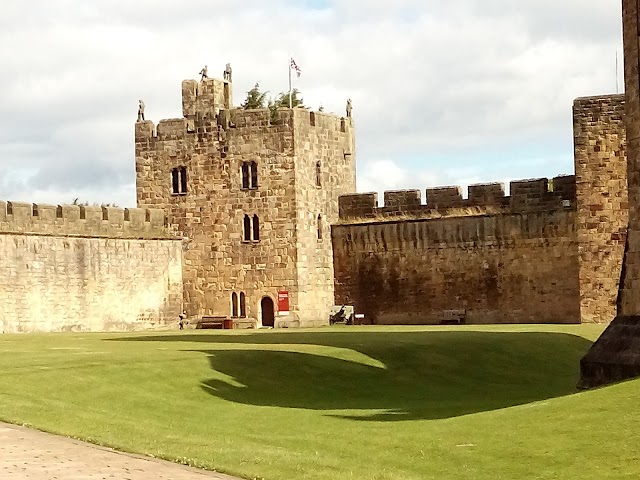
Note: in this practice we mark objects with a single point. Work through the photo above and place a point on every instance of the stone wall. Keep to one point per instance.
(324, 145)
(536, 195)
(602, 219)
(210, 215)
(516, 265)
(71, 268)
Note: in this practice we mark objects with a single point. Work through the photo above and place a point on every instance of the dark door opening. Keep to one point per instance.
(268, 314)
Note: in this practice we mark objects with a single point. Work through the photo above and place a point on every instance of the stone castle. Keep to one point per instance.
(251, 216)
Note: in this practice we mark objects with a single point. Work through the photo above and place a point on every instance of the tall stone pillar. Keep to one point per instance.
(630, 289)
(616, 354)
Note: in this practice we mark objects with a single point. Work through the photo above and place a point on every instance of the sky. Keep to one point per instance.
(449, 92)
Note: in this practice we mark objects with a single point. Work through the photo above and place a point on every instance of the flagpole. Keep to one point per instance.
(290, 101)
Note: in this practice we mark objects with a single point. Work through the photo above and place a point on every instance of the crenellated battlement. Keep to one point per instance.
(82, 221)
(238, 121)
(489, 198)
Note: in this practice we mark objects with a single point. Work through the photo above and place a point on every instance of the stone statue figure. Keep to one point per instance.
(349, 108)
(227, 72)
(204, 72)
(140, 111)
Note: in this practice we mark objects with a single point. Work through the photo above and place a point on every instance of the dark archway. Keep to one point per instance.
(268, 313)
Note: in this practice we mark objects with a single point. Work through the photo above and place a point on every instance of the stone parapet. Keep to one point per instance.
(537, 195)
(83, 221)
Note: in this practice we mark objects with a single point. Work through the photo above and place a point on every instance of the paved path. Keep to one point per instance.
(27, 454)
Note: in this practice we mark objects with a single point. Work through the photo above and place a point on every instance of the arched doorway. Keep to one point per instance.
(268, 313)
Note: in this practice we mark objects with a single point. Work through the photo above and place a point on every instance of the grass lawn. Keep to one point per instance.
(338, 403)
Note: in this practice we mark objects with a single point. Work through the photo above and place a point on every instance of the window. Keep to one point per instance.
(318, 174)
(254, 175)
(234, 305)
(319, 227)
(247, 228)
(249, 175)
(243, 305)
(256, 228)
(245, 175)
(179, 181)
(251, 228)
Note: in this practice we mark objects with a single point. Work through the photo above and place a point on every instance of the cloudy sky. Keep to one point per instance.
(444, 92)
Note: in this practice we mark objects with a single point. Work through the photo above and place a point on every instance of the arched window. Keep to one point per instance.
(318, 174)
(234, 305)
(247, 228)
(254, 175)
(319, 227)
(243, 305)
(256, 228)
(245, 175)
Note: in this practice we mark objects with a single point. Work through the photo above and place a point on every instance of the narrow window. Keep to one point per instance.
(254, 175)
(175, 181)
(183, 180)
(319, 227)
(245, 175)
(318, 174)
(256, 228)
(147, 215)
(9, 208)
(234, 305)
(59, 212)
(83, 213)
(312, 119)
(179, 181)
(105, 213)
(247, 228)
(127, 215)
(243, 305)
(34, 210)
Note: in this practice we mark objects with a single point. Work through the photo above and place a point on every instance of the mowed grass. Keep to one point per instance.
(339, 403)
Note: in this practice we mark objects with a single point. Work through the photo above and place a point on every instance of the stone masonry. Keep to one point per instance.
(249, 240)
(550, 252)
(615, 356)
(510, 260)
(72, 268)
(601, 181)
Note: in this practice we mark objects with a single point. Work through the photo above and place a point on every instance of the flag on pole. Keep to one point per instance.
(294, 66)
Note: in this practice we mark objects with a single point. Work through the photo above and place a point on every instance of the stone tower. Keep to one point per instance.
(615, 356)
(254, 197)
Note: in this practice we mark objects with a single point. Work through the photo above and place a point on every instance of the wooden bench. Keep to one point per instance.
(454, 317)
(210, 323)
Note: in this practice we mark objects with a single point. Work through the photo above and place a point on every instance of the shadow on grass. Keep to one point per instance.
(407, 376)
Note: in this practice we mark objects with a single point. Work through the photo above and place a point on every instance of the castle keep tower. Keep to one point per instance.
(253, 197)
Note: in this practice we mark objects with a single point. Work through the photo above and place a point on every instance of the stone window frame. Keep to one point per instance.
(249, 174)
(320, 228)
(179, 181)
(250, 228)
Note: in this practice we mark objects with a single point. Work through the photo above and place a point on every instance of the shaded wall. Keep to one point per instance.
(502, 268)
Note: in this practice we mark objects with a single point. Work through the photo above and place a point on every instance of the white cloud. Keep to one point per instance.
(427, 79)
